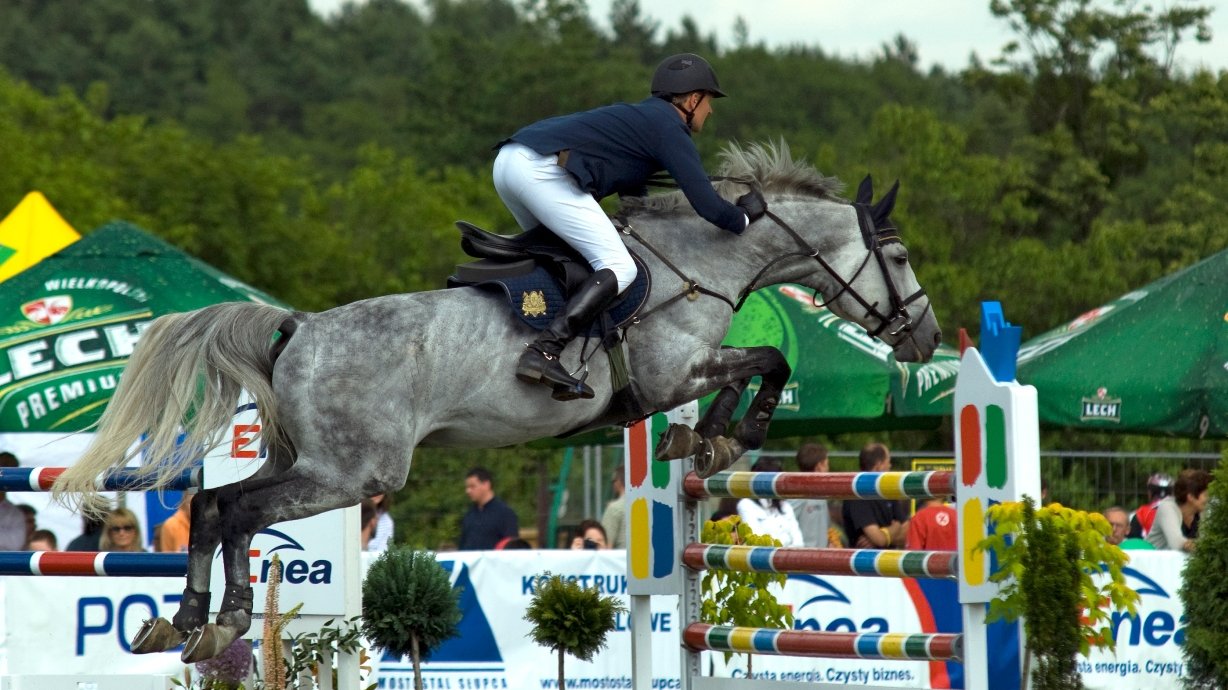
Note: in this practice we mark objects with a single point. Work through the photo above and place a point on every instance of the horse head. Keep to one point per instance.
(851, 253)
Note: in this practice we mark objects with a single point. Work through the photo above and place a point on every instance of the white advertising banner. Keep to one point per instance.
(82, 625)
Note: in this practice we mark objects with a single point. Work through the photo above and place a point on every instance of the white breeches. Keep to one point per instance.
(539, 192)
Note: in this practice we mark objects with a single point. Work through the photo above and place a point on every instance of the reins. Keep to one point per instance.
(875, 238)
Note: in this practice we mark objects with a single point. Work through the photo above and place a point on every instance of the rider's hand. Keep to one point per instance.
(752, 204)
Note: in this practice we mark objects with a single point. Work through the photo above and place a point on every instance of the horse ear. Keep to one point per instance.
(865, 191)
(884, 206)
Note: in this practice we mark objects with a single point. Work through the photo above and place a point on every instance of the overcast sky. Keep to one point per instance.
(946, 32)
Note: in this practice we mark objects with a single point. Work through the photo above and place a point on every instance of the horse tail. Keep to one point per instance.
(184, 377)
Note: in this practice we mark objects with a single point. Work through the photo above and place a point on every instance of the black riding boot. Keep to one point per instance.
(540, 362)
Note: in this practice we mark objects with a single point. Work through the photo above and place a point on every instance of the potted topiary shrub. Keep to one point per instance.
(570, 619)
(409, 605)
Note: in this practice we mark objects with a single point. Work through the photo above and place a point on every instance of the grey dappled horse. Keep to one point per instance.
(383, 376)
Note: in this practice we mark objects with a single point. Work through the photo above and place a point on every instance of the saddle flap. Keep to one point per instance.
(536, 243)
(485, 270)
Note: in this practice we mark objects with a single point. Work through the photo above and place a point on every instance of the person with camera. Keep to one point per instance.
(590, 535)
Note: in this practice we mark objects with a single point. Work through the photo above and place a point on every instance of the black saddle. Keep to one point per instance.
(538, 272)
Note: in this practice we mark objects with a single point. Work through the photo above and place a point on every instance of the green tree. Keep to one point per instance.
(409, 606)
(1204, 594)
(570, 619)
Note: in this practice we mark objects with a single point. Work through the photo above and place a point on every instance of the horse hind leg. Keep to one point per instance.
(245, 512)
(159, 634)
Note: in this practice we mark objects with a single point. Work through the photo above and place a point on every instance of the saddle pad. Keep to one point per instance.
(537, 296)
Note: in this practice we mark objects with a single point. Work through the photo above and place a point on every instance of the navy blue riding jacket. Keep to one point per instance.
(615, 148)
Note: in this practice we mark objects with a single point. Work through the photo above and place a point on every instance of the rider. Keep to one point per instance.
(555, 171)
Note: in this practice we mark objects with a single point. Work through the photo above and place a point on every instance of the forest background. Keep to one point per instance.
(324, 160)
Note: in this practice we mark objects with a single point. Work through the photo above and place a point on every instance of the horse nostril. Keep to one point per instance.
(937, 338)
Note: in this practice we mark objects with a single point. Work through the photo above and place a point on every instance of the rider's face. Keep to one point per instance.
(702, 103)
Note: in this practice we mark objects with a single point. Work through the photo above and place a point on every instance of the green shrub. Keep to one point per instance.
(570, 619)
(1204, 593)
(409, 605)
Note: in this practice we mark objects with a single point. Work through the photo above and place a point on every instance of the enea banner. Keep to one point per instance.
(82, 626)
(69, 323)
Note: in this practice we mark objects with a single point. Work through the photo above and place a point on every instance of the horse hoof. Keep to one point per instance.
(206, 642)
(679, 441)
(157, 635)
(718, 454)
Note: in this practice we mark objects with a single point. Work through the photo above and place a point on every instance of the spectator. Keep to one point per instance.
(724, 508)
(173, 533)
(590, 535)
(1175, 525)
(770, 516)
(933, 528)
(121, 532)
(875, 523)
(489, 519)
(31, 515)
(510, 544)
(368, 519)
(836, 539)
(1159, 486)
(381, 539)
(812, 513)
(13, 531)
(614, 519)
(1119, 520)
(90, 537)
(42, 540)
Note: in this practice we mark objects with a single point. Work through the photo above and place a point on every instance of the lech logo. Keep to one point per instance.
(48, 311)
(1101, 407)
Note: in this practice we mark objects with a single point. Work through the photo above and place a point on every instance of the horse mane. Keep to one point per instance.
(769, 166)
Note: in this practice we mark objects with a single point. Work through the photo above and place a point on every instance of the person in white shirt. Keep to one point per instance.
(770, 516)
(1176, 519)
(813, 514)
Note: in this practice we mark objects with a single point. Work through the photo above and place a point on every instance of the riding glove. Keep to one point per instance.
(753, 205)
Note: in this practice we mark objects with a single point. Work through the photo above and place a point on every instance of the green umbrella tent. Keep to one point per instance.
(70, 322)
(842, 379)
(1153, 361)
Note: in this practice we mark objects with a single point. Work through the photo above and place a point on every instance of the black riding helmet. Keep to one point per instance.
(684, 73)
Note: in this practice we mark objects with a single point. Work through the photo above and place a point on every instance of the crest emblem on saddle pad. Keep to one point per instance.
(533, 303)
(48, 311)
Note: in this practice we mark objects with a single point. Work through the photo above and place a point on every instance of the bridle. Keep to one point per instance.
(896, 322)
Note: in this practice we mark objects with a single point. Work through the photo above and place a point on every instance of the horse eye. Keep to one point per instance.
(901, 260)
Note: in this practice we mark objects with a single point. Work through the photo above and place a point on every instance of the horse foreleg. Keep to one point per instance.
(752, 430)
(716, 419)
(160, 635)
(730, 369)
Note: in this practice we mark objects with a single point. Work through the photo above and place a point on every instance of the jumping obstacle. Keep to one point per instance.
(997, 459)
(698, 637)
(834, 645)
(93, 563)
(25, 479)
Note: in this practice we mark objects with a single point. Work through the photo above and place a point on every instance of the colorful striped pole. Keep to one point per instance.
(19, 479)
(767, 559)
(899, 646)
(93, 563)
(834, 485)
